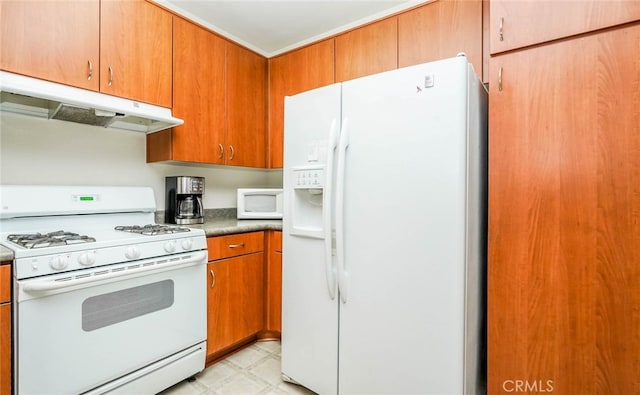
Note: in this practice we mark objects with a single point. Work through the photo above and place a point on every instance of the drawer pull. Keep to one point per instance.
(213, 278)
(236, 245)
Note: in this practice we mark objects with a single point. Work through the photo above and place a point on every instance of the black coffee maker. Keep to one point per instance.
(184, 200)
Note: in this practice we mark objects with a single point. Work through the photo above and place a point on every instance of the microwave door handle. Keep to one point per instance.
(327, 212)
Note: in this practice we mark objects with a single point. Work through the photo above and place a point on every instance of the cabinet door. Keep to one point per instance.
(274, 283)
(564, 170)
(234, 301)
(516, 24)
(5, 328)
(367, 50)
(198, 95)
(135, 51)
(439, 30)
(294, 72)
(246, 107)
(5, 348)
(53, 40)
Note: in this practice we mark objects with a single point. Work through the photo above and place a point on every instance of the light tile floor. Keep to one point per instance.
(253, 370)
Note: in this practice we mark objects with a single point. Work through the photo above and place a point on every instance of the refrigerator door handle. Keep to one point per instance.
(340, 176)
(328, 210)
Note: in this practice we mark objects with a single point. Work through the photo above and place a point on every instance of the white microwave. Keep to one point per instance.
(260, 203)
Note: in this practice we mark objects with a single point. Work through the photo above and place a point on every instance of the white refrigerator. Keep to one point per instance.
(384, 233)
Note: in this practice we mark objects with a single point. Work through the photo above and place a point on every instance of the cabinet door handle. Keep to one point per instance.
(221, 151)
(500, 31)
(213, 278)
(233, 152)
(500, 79)
(110, 76)
(236, 245)
(90, 74)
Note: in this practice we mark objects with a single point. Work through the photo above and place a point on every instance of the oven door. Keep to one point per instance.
(75, 333)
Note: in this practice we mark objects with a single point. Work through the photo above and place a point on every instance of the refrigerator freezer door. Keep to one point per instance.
(309, 311)
(403, 324)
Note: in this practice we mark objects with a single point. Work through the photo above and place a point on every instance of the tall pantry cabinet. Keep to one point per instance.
(564, 202)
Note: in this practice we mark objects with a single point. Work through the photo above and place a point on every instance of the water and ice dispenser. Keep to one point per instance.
(307, 200)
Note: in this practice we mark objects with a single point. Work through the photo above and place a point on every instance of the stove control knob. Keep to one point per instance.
(87, 258)
(59, 262)
(132, 252)
(186, 244)
(170, 246)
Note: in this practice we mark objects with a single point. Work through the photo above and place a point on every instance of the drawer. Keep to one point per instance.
(5, 283)
(221, 247)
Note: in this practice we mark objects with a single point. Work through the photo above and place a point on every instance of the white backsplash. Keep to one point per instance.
(48, 152)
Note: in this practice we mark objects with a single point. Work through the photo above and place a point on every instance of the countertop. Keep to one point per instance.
(212, 227)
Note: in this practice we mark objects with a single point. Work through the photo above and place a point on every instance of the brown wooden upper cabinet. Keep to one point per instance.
(198, 97)
(245, 138)
(92, 45)
(219, 90)
(55, 41)
(135, 51)
(367, 50)
(294, 72)
(439, 30)
(516, 24)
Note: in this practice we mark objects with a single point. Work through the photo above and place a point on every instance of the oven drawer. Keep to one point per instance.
(221, 247)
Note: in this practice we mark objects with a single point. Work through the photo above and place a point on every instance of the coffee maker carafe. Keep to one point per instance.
(184, 200)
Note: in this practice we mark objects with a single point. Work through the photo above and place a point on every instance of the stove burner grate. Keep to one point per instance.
(52, 239)
(153, 229)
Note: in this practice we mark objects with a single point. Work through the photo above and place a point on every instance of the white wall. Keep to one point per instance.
(49, 152)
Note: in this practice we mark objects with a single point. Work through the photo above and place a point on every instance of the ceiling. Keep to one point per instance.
(271, 27)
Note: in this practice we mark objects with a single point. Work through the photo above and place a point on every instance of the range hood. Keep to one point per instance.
(44, 99)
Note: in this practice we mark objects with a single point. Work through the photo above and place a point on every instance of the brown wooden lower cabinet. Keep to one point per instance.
(235, 297)
(273, 291)
(5, 329)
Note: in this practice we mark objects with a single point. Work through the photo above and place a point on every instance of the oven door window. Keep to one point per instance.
(114, 307)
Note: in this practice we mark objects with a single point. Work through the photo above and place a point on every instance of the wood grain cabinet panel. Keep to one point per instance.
(516, 24)
(564, 171)
(294, 72)
(234, 245)
(219, 90)
(5, 329)
(235, 305)
(198, 97)
(246, 107)
(135, 51)
(52, 40)
(439, 30)
(5, 349)
(92, 45)
(367, 50)
(273, 313)
(235, 297)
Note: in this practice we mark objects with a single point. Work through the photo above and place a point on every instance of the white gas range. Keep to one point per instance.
(105, 300)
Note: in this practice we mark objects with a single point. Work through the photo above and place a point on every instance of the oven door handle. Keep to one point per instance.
(53, 285)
